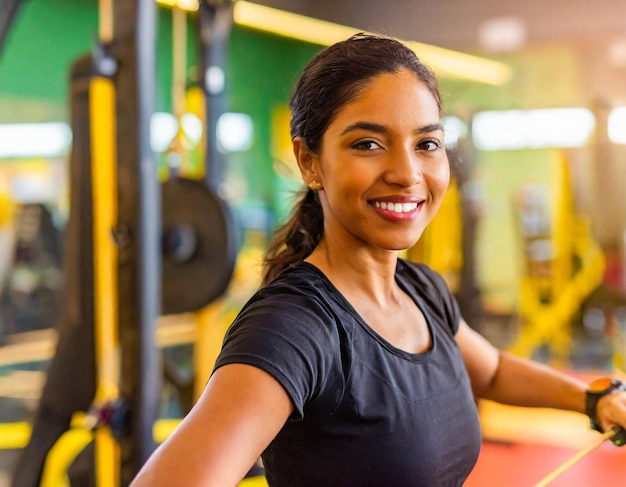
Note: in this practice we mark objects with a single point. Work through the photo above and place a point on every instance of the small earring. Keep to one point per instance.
(315, 185)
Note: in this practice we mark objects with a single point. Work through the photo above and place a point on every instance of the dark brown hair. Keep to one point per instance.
(334, 77)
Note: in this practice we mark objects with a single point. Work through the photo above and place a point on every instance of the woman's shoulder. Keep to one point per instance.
(420, 273)
(299, 291)
(299, 282)
(301, 275)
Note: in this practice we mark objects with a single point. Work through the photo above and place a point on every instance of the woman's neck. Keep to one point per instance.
(358, 272)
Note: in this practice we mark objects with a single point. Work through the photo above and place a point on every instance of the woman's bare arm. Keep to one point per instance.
(237, 416)
(506, 378)
(509, 379)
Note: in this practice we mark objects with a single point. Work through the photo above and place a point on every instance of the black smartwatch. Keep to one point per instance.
(597, 389)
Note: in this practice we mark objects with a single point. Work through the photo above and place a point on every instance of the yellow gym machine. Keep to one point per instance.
(132, 244)
(125, 253)
(564, 265)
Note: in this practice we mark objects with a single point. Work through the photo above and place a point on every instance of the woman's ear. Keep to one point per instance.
(307, 160)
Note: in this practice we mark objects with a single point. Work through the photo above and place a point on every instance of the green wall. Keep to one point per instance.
(263, 69)
(45, 39)
(48, 35)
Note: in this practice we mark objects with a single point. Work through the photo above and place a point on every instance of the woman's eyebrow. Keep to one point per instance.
(433, 127)
(374, 127)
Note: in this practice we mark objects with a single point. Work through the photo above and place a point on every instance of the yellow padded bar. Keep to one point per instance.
(104, 195)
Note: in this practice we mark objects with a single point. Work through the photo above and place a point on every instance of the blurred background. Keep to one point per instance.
(531, 237)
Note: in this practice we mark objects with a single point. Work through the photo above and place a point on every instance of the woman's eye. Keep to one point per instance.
(429, 145)
(365, 145)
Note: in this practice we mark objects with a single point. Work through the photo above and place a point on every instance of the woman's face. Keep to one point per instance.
(383, 165)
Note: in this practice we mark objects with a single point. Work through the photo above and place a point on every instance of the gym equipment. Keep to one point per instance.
(551, 290)
(113, 303)
(198, 245)
(70, 381)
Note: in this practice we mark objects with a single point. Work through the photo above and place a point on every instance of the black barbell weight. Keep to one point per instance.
(199, 245)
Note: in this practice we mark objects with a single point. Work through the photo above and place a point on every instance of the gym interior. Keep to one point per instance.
(145, 161)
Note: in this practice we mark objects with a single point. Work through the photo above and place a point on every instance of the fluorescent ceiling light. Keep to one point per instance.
(189, 5)
(445, 62)
(454, 129)
(192, 126)
(617, 125)
(54, 139)
(34, 140)
(532, 129)
(234, 132)
(34, 188)
(502, 34)
(463, 66)
(163, 129)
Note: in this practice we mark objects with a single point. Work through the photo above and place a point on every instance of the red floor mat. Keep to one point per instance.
(523, 465)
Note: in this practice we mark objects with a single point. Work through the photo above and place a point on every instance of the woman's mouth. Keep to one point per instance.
(398, 212)
(396, 207)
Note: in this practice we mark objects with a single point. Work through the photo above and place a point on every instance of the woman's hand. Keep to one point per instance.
(611, 411)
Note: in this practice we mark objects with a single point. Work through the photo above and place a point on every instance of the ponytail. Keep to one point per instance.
(294, 240)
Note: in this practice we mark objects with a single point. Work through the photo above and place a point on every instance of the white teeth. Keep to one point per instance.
(395, 207)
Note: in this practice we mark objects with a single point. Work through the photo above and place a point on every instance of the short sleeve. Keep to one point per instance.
(291, 338)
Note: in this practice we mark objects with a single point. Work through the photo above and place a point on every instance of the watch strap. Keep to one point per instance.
(593, 396)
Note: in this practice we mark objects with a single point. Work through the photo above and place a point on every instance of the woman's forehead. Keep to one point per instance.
(390, 95)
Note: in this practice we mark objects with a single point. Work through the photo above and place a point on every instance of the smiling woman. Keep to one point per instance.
(351, 366)
(382, 164)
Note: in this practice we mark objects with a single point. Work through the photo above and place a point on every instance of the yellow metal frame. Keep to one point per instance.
(441, 244)
(73, 441)
(62, 454)
(104, 196)
(254, 482)
(14, 435)
(550, 323)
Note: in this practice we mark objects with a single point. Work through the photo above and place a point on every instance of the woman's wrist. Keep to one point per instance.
(596, 393)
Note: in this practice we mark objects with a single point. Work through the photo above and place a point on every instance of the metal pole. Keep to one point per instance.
(138, 230)
(8, 10)
(216, 19)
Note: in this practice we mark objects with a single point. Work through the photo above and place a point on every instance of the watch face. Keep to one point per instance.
(600, 385)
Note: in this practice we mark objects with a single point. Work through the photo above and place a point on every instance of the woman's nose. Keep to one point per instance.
(403, 168)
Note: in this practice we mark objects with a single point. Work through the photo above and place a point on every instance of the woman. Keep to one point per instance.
(352, 367)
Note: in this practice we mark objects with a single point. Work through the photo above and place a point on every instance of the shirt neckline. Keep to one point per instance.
(415, 297)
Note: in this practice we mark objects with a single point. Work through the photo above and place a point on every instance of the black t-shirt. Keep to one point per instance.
(366, 413)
